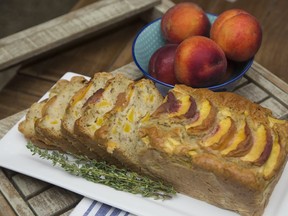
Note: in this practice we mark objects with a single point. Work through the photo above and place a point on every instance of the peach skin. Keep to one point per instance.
(199, 62)
(238, 33)
(184, 20)
(161, 64)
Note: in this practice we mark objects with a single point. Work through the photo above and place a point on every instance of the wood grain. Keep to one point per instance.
(252, 92)
(278, 109)
(53, 201)
(7, 123)
(268, 85)
(5, 208)
(74, 25)
(11, 194)
(90, 56)
(28, 186)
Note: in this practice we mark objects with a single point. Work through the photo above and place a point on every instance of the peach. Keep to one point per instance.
(222, 134)
(161, 64)
(261, 148)
(177, 106)
(199, 62)
(206, 116)
(272, 163)
(184, 20)
(238, 33)
(241, 143)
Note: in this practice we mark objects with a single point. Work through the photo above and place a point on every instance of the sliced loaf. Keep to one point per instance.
(118, 135)
(35, 112)
(95, 110)
(48, 127)
(76, 108)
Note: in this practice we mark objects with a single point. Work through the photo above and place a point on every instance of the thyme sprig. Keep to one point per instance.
(103, 173)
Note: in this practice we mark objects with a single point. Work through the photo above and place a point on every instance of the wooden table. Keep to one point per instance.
(23, 195)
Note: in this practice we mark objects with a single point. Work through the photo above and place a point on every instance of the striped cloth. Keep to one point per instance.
(88, 207)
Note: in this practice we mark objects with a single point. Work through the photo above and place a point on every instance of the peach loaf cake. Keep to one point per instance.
(27, 126)
(76, 107)
(118, 134)
(49, 125)
(216, 147)
(95, 110)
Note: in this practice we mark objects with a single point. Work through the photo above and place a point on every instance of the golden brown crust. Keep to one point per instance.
(75, 109)
(240, 147)
(119, 134)
(48, 126)
(229, 100)
(217, 147)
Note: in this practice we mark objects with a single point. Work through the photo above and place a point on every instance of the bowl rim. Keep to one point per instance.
(214, 87)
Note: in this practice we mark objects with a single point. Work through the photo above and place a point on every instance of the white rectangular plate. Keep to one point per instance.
(15, 156)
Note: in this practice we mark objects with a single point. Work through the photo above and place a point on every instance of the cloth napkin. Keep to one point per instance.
(89, 207)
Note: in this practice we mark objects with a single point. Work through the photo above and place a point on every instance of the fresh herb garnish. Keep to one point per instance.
(103, 173)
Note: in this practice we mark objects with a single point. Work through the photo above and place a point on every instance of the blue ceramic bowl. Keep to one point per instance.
(150, 38)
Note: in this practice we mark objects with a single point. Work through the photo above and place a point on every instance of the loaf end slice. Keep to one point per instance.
(48, 127)
(35, 112)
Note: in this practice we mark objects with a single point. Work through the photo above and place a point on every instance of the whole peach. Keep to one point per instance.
(199, 62)
(238, 33)
(161, 64)
(184, 20)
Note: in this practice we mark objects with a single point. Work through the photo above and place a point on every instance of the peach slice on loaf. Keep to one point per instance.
(222, 134)
(261, 148)
(241, 143)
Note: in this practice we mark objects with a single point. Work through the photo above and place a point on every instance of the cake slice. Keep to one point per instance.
(48, 127)
(27, 126)
(76, 107)
(118, 134)
(95, 109)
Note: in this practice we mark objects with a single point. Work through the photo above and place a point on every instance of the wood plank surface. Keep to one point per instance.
(5, 208)
(53, 201)
(28, 186)
(15, 200)
(74, 25)
(279, 110)
(95, 54)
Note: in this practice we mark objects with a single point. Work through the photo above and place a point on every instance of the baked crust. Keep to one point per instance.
(96, 112)
(119, 133)
(75, 109)
(49, 125)
(198, 164)
(217, 147)
(35, 112)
